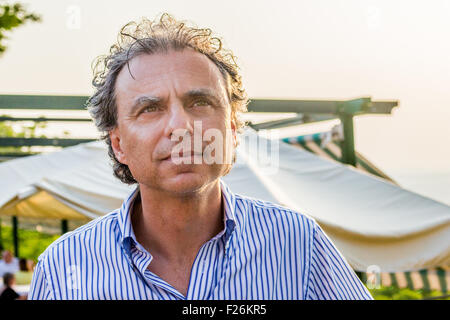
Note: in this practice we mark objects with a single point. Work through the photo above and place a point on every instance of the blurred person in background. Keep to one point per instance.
(7, 292)
(8, 263)
(31, 264)
(25, 274)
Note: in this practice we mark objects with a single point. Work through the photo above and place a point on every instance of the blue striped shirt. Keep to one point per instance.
(265, 252)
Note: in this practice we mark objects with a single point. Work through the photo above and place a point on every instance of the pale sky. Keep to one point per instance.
(314, 49)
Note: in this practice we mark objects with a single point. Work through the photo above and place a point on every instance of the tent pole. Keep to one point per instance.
(64, 226)
(15, 225)
(348, 145)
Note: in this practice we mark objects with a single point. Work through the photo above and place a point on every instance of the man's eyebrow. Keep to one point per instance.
(194, 93)
(202, 92)
(141, 100)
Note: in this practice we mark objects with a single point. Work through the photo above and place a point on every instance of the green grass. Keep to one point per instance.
(394, 293)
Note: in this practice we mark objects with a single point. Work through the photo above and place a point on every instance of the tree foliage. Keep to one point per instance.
(23, 131)
(32, 243)
(13, 16)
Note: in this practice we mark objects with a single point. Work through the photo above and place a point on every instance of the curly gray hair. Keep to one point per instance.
(149, 37)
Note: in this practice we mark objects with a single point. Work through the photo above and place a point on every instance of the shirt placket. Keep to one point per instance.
(141, 260)
(201, 277)
(203, 273)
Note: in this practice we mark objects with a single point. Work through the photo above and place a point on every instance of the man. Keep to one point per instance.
(8, 292)
(8, 263)
(182, 233)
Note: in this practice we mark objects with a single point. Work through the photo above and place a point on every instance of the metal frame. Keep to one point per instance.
(344, 110)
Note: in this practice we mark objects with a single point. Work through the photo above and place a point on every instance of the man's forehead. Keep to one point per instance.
(187, 69)
(159, 77)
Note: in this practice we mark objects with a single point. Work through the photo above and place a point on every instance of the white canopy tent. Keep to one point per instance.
(371, 221)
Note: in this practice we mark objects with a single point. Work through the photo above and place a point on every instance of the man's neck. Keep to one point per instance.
(173, 228)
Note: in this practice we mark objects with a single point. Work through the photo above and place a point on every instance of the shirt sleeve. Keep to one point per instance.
(40, 288)
(330, 276)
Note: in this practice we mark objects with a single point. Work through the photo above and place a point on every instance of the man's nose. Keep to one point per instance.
(178, 120)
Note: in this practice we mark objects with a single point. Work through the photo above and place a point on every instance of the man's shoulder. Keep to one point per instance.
(276, 213)
(93, 227)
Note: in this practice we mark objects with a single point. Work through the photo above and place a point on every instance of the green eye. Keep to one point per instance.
(149, 109)
(201, 103)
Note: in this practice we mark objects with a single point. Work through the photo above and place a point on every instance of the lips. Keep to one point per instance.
(184, 155)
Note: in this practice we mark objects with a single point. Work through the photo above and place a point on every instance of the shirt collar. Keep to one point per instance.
(125, 226)
(229, 208)
(129, 239)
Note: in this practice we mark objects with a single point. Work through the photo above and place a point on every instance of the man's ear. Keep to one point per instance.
(114, 136)
(233, 129)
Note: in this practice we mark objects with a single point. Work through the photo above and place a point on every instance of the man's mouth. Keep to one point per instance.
(183, 155)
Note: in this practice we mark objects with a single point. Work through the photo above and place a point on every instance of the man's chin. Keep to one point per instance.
(185, 182)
